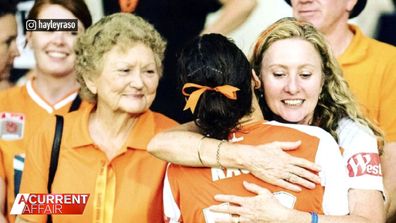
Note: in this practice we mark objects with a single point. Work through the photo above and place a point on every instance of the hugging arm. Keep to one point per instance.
(184, 145)
(366, 206)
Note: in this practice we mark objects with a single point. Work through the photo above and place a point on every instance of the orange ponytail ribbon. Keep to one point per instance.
(226, 90)
(128, 5)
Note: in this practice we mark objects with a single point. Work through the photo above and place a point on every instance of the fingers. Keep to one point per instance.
(234, 213)
(301, 181)
(284, 184)
(287, 145)
(230, 220)
(305, 164)
(229, 209)
(229, 198)
(303, 177)
(236, 220)
(279, 180)
(255, 188)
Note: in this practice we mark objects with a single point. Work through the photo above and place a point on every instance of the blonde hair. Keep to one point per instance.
(119, 29)
(336, 100)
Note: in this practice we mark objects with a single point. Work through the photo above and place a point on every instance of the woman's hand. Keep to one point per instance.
(261, 208)
(273, 165)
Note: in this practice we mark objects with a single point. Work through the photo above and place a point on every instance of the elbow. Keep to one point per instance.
(154, 146)
(249, 6)
(252, 4)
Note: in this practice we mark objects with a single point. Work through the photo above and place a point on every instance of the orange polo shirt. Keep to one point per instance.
(139, 175)
(369, 67)
(26, 109)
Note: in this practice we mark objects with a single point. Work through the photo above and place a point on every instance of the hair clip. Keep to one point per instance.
(204, 67)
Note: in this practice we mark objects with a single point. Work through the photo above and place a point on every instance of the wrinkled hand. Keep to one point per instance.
(263, 208)
(272, 164)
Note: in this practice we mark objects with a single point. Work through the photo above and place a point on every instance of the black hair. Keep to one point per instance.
(213, 60)
(7, 7)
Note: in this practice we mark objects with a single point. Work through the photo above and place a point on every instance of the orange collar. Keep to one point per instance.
(138, 138)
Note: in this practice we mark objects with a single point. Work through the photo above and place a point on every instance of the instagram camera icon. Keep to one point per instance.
(31, 25)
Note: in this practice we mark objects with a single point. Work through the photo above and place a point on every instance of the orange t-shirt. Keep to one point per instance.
(188, 191)
(139, 175)
(24, 110)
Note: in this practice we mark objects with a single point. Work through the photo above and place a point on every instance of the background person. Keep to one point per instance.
(313, 93)
(52, 90)
(118, 64)
(8, 47)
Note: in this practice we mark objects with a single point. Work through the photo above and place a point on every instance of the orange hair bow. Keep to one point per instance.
(227, 90)
(128, 5)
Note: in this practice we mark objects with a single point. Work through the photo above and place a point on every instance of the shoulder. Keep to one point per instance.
(374, 47)
(354, 137)
(350, 129)
(161, 121)
(384, 50)
(76, 121)
(12, 91)
(12, 95)
(307, 129)
(40, 143)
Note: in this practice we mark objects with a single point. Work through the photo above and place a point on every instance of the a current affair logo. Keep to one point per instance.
(49, 204)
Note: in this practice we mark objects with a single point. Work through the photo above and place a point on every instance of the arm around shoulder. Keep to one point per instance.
(184, 145)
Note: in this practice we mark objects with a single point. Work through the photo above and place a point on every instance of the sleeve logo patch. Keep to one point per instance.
(11, 125)
(364, 164)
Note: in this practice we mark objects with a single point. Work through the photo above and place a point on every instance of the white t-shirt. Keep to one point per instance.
(360, 155)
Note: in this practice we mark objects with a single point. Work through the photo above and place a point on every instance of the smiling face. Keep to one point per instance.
(292, 79)
(323, 14)
(53, 51)
(128, 81)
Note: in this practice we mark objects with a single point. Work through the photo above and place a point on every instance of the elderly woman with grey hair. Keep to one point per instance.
(118, 64)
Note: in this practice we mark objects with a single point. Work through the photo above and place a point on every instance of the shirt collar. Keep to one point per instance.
(138, 138)
(357, 49)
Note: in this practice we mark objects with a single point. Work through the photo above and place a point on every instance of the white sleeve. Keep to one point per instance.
(333, 175)
(360, 156)
(171, 209)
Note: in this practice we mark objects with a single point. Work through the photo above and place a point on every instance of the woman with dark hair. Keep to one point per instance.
(8, 46)
(53, 89)
(219, 84)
